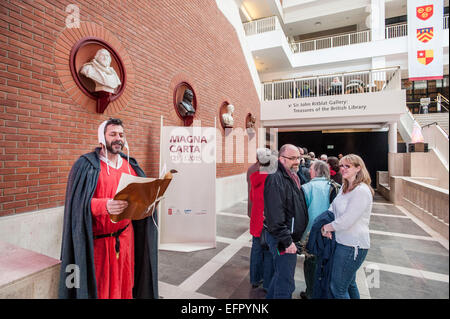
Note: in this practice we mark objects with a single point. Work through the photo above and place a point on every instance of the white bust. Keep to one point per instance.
(100, 71)
(228, 117)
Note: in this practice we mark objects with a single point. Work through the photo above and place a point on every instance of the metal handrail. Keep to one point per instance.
(443, 97)
(439, 95)
(429, 124)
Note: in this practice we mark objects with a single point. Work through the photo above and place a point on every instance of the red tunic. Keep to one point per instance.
(115, 276)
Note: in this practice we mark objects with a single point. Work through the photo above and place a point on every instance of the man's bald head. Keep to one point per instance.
(290, 157)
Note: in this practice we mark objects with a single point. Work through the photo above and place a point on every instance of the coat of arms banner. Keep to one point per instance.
(425, 36)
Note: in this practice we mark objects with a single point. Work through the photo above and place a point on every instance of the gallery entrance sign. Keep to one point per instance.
(336, 106)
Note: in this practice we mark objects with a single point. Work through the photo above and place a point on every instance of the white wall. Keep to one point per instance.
(230, 190)
(231, 12)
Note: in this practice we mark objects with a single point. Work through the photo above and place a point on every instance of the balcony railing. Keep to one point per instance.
(396, 30)
(260, 26)
(401, 29)
(333, 84)
(331, 42)
(271, 24)
(392, 31)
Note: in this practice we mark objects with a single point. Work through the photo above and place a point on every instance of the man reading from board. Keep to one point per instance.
(113, 260)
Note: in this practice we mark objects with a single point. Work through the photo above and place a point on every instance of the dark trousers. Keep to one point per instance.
(282, 285)
(261, 264)
(309, 269)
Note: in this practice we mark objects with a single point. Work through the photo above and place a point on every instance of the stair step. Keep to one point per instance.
(441, 118)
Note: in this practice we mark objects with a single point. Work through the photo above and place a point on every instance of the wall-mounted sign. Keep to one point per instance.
(348, 105)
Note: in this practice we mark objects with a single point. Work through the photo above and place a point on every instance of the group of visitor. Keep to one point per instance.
(319, 208)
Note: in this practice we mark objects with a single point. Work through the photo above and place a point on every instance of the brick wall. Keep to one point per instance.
(44, 129)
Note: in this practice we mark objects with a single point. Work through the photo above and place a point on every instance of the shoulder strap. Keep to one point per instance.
(334, 189)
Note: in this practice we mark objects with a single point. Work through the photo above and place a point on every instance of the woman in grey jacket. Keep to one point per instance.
(351, 208)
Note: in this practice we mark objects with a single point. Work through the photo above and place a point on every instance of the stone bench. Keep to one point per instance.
(25, 274)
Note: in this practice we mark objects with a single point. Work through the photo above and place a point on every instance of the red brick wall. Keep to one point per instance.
(43, 130)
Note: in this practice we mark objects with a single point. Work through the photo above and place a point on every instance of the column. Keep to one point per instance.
(392, 137)
(377, 16)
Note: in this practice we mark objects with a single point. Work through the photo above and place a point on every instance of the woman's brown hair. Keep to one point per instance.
(362, 176)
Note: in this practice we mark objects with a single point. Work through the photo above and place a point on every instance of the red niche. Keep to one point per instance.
(84, 51)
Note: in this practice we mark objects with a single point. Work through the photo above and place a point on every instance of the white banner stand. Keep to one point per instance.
(188, 211)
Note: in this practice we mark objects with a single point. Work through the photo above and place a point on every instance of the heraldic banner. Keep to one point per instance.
(188, 211)
(425, 37)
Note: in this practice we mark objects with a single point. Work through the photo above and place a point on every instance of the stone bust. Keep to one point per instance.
(100, 71)
(251, 122)
(228, 120)
(185, 106)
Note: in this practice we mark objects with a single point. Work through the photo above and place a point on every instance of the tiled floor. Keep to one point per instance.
(407, 260)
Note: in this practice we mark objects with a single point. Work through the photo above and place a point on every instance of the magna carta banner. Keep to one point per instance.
(188, 210)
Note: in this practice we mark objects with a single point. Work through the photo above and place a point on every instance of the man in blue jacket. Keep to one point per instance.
(286, 217)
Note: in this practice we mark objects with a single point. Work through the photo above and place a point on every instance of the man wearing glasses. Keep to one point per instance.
(286, 217)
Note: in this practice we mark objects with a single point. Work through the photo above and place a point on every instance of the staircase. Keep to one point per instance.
(440, 118)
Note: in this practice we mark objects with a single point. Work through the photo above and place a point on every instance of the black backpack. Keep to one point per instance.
(334, 189)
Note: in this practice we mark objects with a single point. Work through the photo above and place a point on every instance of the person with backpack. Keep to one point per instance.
(319, 192)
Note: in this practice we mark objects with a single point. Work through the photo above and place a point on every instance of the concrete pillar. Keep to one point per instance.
(392, 137)
(377, 16)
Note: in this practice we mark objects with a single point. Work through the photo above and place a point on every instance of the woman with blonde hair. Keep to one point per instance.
(351, 208)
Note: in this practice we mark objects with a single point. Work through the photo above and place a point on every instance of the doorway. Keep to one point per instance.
(371, 146)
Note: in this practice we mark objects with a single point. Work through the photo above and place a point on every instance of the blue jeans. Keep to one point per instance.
(261, 264)
(282, 285)
(343, 276)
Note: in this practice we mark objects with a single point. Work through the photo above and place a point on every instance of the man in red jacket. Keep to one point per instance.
(261, 261)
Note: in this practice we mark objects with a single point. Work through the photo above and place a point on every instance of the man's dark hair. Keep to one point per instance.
(112, 121)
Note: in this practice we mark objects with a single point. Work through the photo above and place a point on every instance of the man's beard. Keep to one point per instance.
(110, 148)
(294, 169)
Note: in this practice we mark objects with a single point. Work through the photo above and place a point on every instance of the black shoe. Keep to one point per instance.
(303, 295)
(257, 284)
